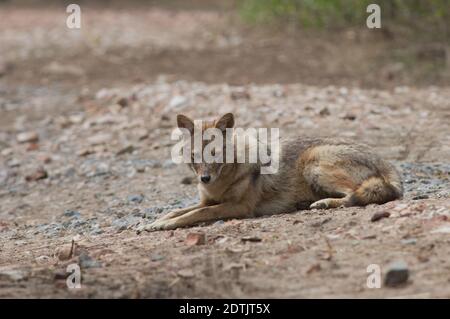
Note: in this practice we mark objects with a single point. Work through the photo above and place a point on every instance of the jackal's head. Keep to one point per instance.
(208, 154)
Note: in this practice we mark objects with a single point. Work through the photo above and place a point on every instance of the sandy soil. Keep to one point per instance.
(97, 107)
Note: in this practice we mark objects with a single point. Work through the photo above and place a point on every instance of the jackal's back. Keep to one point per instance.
(315, 168)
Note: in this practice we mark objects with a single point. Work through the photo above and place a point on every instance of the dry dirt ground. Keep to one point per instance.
(86, 118)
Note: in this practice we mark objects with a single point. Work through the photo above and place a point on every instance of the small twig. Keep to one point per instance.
(72, 248)
(330, 249)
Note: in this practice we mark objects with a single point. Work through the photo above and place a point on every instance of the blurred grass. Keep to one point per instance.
(431, 18)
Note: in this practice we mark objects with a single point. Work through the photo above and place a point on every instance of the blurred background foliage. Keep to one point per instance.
(397, 15)
(285, 41)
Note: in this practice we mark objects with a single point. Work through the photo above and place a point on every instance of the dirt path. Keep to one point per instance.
(99, 106)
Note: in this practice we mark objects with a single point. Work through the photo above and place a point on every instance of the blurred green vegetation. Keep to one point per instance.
(416, 15)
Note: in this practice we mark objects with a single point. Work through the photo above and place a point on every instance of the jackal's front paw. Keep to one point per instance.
(164, 224)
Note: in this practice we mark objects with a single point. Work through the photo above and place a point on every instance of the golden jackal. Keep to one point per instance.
(315, 173)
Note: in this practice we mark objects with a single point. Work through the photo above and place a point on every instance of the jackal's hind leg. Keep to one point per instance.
(331, 203)
(335, 182)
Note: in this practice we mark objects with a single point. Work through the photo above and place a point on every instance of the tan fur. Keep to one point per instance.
(314, 173)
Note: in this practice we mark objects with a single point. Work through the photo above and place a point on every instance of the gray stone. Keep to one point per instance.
(71, 213)
(87, 261)
(120, 224)
(135, 198)
(156, 257)
(409, 241)
(397, 274)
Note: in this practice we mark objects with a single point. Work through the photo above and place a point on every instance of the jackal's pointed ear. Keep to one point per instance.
(226, 121)
(185, 122)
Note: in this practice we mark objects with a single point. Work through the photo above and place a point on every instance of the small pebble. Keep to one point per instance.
(194, 239)
(379, 215)
(27, 137)
(120, 224)
(126, 149)
(40, 173)
(123, 102)
(43, 260)
(156, 257)
(409, 241)
(252, 239)
(71, 213)
(186, 273)
(421, 197)
(240, 94)
(397, 274)
(135, 198)
(186, 180)
(87, 261)
(60, 274)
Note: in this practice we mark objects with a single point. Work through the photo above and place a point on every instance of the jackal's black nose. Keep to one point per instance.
(205, 178)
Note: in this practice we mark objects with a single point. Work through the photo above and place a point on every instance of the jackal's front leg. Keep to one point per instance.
(179, 212)
(204, 214)
(172, 214)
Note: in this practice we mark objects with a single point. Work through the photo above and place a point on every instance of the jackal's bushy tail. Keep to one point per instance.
(379, 189)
